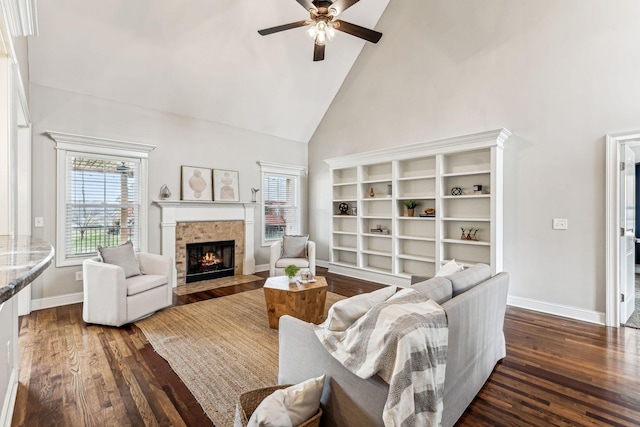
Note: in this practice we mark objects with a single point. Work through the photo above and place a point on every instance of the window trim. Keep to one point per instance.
(285, 170)
(94, 146)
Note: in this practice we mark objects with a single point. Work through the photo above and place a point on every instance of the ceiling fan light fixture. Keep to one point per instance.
(321, 32)
(322, 15)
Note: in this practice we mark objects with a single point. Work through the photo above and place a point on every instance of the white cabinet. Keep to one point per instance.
(459, 180)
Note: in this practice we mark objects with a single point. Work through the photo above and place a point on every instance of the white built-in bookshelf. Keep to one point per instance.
(427, 173)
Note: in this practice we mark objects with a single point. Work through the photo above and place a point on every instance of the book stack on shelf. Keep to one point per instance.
(379, 230)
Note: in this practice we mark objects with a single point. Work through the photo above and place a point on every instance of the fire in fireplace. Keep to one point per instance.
(210, 260)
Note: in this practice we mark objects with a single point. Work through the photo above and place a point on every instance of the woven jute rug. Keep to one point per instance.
(207, 285)
(219, 348)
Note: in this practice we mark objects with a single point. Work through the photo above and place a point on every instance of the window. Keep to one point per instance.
(281, 209)
(102, 196)
(102, 203)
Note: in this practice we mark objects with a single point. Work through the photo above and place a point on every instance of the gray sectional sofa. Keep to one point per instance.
(475, 304)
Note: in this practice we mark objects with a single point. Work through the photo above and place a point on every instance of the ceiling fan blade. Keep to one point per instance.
(358, 31)
(279, 28)
(318, 52)
(341, 5)
(307, 5)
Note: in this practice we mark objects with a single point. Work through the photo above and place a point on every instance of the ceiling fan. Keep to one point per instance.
(323, 15)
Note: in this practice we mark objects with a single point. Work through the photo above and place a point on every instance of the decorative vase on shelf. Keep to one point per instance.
(411, 206)
(371, 193)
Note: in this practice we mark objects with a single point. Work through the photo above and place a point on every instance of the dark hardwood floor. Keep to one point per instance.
(557, 372)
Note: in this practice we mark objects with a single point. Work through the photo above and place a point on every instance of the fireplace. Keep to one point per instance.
(210, 260)
(183, 222)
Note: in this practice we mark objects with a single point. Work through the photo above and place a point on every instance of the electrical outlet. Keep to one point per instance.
(560, 224)
(38, 221)
(79, 275)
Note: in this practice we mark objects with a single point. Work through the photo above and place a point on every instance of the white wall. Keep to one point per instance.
(179, 141)
(558, 74)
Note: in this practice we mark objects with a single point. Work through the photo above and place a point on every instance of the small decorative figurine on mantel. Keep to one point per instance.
(164, 192)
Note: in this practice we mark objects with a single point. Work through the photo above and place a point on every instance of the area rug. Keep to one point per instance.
(215, 284)
(219, 348)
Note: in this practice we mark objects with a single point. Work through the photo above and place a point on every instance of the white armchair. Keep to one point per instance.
(112, 299)
(278, 261)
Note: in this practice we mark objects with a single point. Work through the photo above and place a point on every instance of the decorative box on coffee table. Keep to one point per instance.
(302, 300)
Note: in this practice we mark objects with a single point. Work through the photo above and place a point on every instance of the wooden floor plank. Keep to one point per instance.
(558, 372)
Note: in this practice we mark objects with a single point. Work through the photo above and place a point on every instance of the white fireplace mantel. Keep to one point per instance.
(174, 211)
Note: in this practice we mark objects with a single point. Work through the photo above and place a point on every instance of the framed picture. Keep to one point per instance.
(196, 183)
(225, 186)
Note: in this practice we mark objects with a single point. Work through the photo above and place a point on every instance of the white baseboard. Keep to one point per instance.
(530, 304)
(262, 267)
(558, 309)
(10, 401)
(265, 267)
(50, 302)
(372, 276)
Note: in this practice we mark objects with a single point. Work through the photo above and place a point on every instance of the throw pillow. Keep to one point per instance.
(438, 289)
(123, 256)
(462, 281)
(294, 246)
(271, 412)
(345, 312)
(290, 406)
(449, 268)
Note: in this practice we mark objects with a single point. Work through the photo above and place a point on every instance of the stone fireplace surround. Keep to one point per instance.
(207, 221)
(203, 232)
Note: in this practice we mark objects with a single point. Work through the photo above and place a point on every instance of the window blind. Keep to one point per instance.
(280, 205)
(103, 199)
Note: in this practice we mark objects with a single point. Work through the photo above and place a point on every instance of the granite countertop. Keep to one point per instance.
(22, 259)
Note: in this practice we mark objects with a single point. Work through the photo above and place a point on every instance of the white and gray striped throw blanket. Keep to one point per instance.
(404, 341)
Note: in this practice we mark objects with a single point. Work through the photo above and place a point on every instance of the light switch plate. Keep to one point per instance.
(560, 224)
(38, 221)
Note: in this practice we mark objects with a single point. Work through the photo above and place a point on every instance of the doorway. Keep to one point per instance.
(621, 229)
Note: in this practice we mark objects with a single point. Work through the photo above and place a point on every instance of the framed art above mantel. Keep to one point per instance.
(195, 183)
(225, 186)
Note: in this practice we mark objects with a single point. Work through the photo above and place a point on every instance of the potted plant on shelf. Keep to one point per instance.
(410, 205)
(291, 270)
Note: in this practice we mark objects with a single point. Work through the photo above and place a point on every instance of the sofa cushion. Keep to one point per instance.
(439, 289)
(122, 256)
(290, 406)
(294, 246)
(299, 262)
(345, 312)
(464, 280)
(137, 284)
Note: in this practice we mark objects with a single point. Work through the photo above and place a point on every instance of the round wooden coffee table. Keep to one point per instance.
(302, 300)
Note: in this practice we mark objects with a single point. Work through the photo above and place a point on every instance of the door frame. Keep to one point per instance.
(614, 143)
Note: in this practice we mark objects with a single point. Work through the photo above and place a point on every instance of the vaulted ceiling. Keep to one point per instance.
(200, 58)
